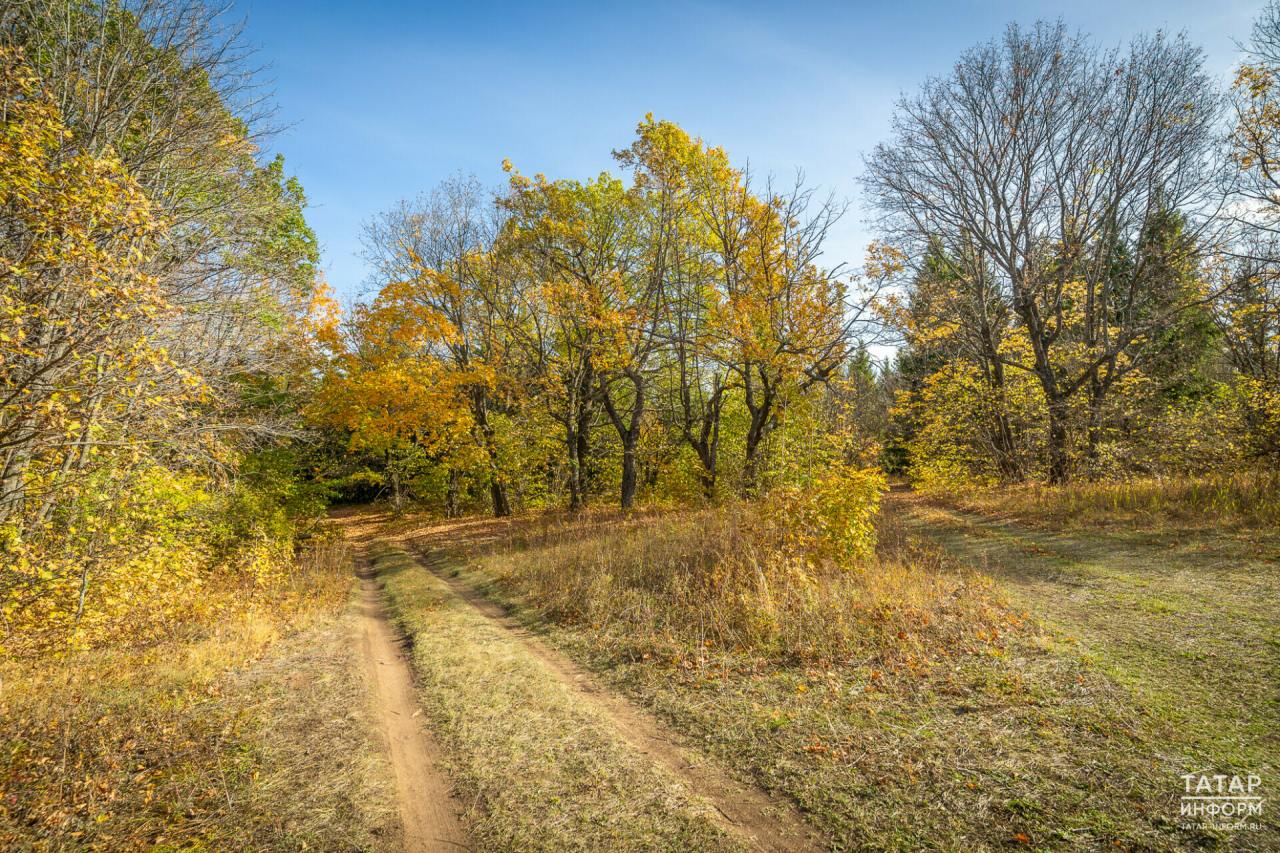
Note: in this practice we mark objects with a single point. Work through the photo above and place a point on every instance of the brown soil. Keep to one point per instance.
(766, 823)
(430, 816)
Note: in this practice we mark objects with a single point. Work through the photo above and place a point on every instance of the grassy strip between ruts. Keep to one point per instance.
(249, 735)
(537, 770)
(959, 742)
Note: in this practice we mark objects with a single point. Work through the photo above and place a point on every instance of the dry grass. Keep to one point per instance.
(245, 734)
(537, 769)
(903, 705)
(691, 583)
(1235, 500)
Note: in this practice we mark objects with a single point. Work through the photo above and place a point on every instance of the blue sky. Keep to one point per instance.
(387, 99)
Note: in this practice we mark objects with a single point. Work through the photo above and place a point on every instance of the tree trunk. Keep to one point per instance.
(628, 497)
(707, 476)
(763, 420)
(1059, 452)
(586, 475)
(577, 436)
(451, 507)
(628, 432)
(13, 485)
(397, 493)
(498, 491)
(708, 449)
(1006, 448)
(497, 484)
(575, 465)
(750, 467)
(707, 442)
(1097, 397)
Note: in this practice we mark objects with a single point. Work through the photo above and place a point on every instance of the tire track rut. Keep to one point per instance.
(428, 813)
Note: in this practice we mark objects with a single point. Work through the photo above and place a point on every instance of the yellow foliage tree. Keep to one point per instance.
(1249, 311)
(84, 391)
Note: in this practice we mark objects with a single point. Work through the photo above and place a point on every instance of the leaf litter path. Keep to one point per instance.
(1186, 620)
(428, 814)
(764, 822)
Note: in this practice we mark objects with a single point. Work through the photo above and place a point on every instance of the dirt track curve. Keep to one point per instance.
(766, 823)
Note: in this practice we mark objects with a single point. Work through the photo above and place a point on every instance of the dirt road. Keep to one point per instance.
(428, 813)
(1150, 656)
(764, 822)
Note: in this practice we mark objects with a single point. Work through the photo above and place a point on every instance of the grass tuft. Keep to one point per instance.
(691, 586)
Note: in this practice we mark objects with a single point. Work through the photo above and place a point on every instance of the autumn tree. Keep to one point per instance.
(748, 308)
(1068, 188)
(646, 307)
(154, 264)
(682, 176)
(166, 88)
(440, 280)
(1248, 314)
(948, 339)
(601, 292)
(786, 322)
(391, 402)
(77, 368)
(558, 341)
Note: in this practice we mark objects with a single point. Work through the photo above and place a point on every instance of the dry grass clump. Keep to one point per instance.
(732, 578)
(1239, 499)
(195, 739)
